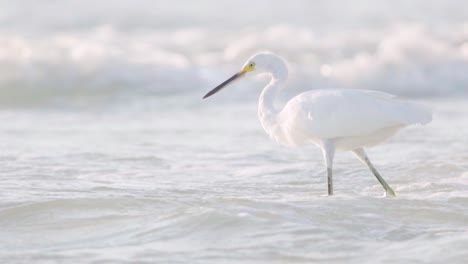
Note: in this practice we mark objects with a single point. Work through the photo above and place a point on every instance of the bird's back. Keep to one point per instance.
(341, 113)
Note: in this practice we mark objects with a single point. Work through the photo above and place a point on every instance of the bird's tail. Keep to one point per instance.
(417, 114)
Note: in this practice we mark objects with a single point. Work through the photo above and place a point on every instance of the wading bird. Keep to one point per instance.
(332, 119)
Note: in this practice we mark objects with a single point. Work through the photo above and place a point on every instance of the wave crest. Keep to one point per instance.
(407, 60)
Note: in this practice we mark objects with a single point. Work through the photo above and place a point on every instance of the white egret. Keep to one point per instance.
(332, 119)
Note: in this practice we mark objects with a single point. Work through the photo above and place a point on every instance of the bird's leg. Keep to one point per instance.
(328, 151)
(330, 180)
(361, 155)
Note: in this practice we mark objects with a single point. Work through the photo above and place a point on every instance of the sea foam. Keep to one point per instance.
(404, 59)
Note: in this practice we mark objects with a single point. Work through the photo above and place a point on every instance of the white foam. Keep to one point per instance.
(404, 59)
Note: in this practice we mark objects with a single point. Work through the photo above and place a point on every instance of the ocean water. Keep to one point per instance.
(109, 155)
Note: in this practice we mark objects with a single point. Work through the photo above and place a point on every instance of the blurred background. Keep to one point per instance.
(92, 50)
(108, 154)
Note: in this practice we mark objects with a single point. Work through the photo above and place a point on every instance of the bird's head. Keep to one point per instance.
(260, 63)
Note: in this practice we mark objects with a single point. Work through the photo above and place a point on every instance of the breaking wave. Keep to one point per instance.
(404, 59)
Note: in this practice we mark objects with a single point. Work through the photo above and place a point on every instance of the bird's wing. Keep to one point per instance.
(347, 113)
(377, 94)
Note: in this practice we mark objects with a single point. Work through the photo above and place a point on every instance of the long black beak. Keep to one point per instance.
(224, 84)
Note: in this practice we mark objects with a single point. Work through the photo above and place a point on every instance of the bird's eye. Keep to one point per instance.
(252, 64)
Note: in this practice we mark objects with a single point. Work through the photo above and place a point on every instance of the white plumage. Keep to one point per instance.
(345, 115)
(333, 119)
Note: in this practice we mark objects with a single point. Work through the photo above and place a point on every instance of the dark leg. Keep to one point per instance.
(361, 155)
(328, 151)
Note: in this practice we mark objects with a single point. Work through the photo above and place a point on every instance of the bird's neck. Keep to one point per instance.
(267, 112)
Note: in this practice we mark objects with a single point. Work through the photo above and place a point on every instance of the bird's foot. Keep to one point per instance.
(390, 192)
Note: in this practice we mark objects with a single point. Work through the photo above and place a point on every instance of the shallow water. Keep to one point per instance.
(109, 155)
(133, 182)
